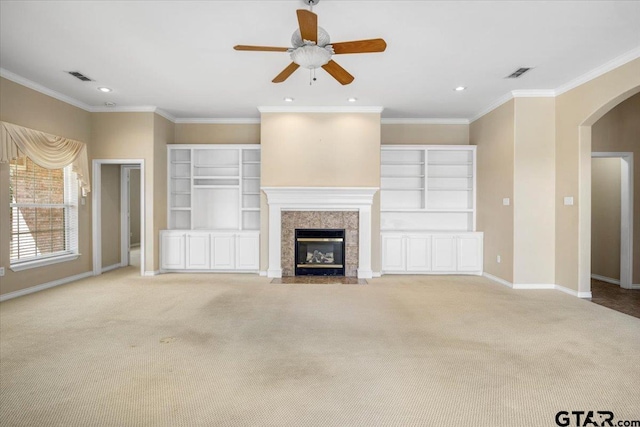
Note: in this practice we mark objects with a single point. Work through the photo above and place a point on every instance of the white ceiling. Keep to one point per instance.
(178, 56)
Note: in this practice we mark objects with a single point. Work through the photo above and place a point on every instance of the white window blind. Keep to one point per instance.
(44, 212)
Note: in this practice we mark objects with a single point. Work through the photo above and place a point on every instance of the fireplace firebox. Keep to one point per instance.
(320, 252)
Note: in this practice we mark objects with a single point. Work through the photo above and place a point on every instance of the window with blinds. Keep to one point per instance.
(43, 212)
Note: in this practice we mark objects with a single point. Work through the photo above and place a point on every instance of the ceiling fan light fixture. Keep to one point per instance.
(311, 56)
(104, 89)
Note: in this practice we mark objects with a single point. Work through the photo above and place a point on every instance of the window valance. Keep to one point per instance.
(47, 151)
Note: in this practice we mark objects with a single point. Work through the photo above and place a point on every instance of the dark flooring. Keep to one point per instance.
(616, 298)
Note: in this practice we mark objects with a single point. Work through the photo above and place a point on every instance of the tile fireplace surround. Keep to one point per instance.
(292, 220)
(320, 199)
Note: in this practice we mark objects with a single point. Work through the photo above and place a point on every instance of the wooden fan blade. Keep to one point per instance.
(338, 73)
(308, 22)
(261, 48)
(284, 75)
(360, 46)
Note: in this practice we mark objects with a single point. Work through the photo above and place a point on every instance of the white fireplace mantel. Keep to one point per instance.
(320, 199)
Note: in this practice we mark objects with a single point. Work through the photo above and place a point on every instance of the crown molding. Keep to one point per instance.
(424, 121)
(134, 109)
(229, 121)
(42, 89)
(311, 109)
(166, 115)
(495, 104)
(598, 71)
(533, 93)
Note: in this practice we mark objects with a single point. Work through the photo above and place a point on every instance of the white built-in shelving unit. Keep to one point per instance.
(428, 188)
(214, 202)
(428, 209)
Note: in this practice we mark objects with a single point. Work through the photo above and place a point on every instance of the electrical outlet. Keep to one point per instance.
(1, 271)
(498, 259)
(506, 201)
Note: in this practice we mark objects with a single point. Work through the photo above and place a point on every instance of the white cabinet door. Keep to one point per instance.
(172, 249)
(418, 253)
(223, 252)
(444, 253)
(393, 253)
(198, 251)
(469, 253)
(247, 252)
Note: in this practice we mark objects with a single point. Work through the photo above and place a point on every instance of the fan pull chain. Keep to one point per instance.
(312, 76)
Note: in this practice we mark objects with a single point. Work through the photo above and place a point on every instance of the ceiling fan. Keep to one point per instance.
(312, 49)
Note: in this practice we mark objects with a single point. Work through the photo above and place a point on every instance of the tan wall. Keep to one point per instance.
(163, 134)
(110, 207)
(26, 107)
(493, 133)
(321, 150)
(576, 111)
(130, 136)
(619, 130)
(425, 134)
(534, 191)
(605, 217)
(202, 133)
(134, 206)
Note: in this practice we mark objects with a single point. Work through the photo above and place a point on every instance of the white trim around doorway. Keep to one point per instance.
(96, 210)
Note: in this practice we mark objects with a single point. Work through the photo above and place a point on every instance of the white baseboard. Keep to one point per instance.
(635, 286)
(497, 279)
(606, 279)
(151, 273)
(573, 292)
(111, 267)
(44, 286)
(262, 273)
(377, 274)
(525, 286)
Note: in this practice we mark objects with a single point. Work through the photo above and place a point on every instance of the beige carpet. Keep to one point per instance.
(235, 350)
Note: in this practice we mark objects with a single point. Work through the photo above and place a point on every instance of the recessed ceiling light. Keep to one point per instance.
(104, 89)
(460, 88)
(352, 99)
(287, 99)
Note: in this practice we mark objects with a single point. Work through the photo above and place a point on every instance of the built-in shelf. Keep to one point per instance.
(214, 187)
(427, 187)
(391, 163)
(403, 176)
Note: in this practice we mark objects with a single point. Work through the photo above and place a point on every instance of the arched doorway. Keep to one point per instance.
(584, 244)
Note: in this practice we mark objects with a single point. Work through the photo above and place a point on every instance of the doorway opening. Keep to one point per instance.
(612, 217)
(112, 203)
(130, 215)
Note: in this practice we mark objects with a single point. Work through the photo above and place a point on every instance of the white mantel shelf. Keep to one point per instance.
(320, 199)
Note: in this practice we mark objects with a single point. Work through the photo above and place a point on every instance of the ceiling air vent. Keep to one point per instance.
(517, 73)
(80, 76)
